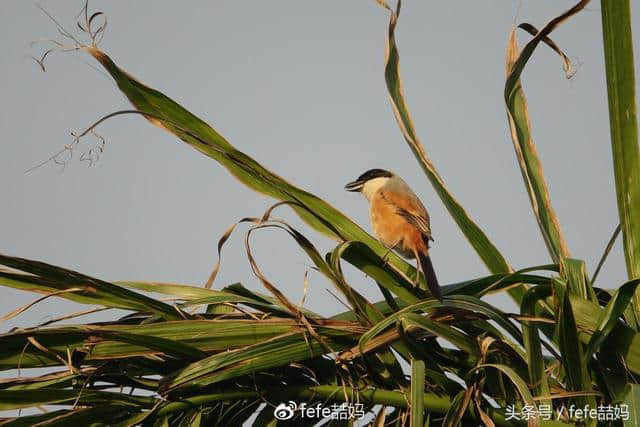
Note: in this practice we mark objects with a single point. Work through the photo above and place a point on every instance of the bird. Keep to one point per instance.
(399, 219)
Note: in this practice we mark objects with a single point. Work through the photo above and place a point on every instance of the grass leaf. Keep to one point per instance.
(632, 400)
(46, 278)
(532, 344)
(621, 90)
(485, 249)
(518, 118)
(610, 316)
(417, 393)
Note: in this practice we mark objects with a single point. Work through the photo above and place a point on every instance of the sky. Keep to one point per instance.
(299, 86)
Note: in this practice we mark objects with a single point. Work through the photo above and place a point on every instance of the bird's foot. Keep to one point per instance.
(385, 260)
(385, 257)
(416, 283)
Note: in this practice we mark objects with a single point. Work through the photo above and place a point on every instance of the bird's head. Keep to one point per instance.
(369, 182)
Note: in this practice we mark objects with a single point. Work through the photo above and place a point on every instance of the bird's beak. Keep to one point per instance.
(354, 186)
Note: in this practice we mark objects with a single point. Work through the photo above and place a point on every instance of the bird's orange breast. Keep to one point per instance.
(393, 229)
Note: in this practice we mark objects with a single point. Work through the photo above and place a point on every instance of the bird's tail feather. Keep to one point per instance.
(430, 275)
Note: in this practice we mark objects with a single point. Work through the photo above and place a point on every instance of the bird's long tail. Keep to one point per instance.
(430, 275)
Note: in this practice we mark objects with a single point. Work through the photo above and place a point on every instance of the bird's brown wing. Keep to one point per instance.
(420, 222)
(411, 209)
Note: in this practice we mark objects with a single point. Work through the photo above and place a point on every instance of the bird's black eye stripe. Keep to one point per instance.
(374, 173)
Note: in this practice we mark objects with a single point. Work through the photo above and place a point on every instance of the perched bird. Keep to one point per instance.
(399, 219)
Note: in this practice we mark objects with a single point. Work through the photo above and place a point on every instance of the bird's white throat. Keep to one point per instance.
(370, 187)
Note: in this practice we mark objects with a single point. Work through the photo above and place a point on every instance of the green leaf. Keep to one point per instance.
(367, 314)
(269, 306)
(521, 385)
(178, 290)
(575, 271)
(366, 260)
(605, 254)
(16, 399)
(458, 407)
(167, 346)
(610, 316)
(262, 301)
(519, 124)
(385, 323)
(497, 282)
(621, 90)
(485, 249)
(531, 339)
(190, 338)
(474, 304)
(417, 393)
(46, 278)
(632, 400)
(442, 330)
(571, 350)
(60, 379)
(107, 415)
(278, 351)
(622, 340)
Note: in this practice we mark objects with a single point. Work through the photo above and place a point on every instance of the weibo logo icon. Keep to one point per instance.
(285, 411)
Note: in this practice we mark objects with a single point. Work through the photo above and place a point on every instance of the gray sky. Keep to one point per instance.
(297, 85)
